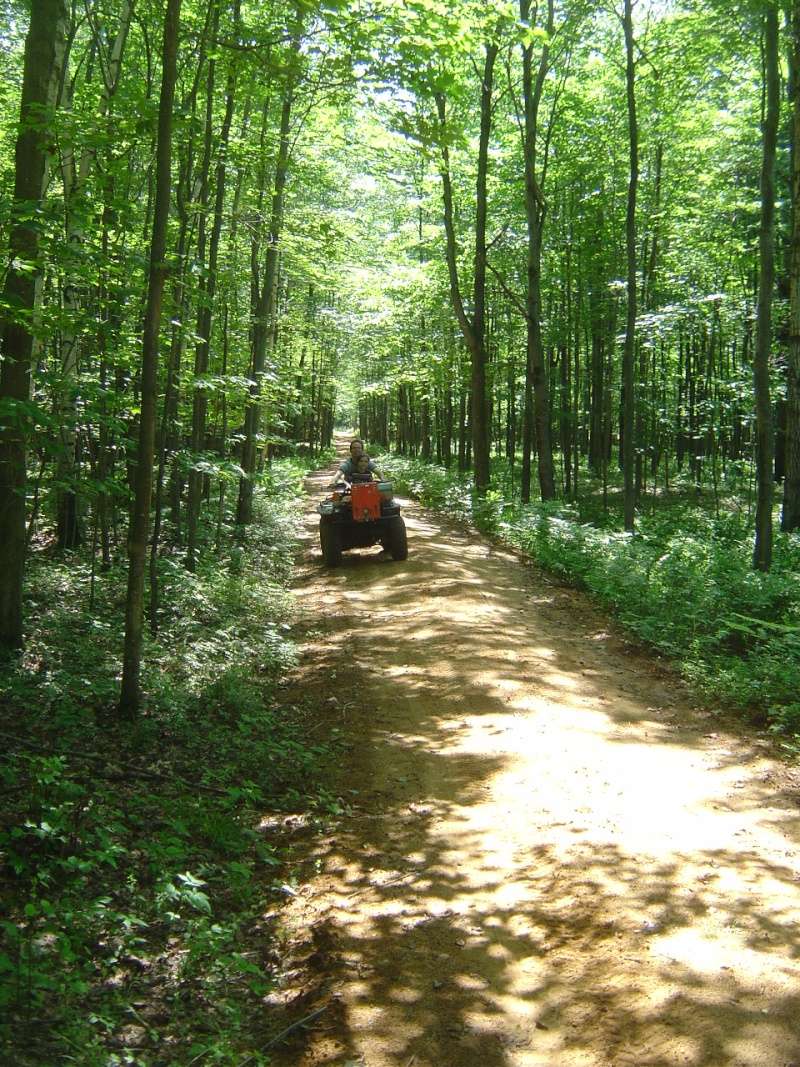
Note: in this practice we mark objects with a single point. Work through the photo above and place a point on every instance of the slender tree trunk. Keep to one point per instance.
(762, 549)
(628, 411)
(208, 295)
(130, 695)
(44, 56)
(597, 404)
(167, 441)
(463, 462)
(536, 374)
(473, 330)
(263, 326)
(204, 318)
(511, 408)
(75, 174)
(480, 419)
(223, 432)
(790, 514)
(650, 264)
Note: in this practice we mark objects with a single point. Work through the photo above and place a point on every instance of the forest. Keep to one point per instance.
(542, 255)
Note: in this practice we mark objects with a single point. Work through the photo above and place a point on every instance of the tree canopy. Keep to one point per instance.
(405, 214)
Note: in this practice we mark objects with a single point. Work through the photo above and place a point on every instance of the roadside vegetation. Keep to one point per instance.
(683, 582)
(563, 233)
(140, 859)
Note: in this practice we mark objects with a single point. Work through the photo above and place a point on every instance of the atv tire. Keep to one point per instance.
(397, 541)
(331, 544)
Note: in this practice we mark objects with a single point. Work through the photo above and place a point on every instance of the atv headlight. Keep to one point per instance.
(326, 508)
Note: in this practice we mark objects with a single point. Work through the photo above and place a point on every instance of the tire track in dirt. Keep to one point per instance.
(550, 858)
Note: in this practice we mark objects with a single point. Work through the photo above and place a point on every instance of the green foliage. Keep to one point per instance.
(138, 859)
(683, 583)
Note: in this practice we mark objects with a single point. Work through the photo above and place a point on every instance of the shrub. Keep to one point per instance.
(132, 855)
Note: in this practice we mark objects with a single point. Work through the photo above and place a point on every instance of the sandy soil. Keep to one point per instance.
(550, 858)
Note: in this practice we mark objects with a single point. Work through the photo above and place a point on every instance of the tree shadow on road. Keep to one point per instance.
(475, 921)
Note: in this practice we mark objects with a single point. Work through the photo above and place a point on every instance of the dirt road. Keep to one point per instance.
(550, 858)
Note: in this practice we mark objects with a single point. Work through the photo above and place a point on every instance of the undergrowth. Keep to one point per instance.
(139, 859)
(682, 582)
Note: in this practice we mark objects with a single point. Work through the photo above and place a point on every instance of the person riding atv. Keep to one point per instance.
(360, 512)
(363, 470)
(348, 466)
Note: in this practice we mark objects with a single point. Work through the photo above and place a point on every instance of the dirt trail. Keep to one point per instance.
(551, 859)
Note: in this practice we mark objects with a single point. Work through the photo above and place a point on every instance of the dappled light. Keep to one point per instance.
(547, 858)
(544, 259)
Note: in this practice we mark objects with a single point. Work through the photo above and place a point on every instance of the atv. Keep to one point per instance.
(358, 515)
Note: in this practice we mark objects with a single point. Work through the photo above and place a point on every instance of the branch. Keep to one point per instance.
(498, 237)
(512, 296)
(294, 1026)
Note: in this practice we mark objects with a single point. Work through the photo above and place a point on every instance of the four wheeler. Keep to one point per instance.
(358, 515)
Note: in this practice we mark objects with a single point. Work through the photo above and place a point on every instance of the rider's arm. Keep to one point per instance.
(342, 475)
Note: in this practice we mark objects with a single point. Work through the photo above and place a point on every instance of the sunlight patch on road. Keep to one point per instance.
(539, 858)
(562, 681)
(725, 965)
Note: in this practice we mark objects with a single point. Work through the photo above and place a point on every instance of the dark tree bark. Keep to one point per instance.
(473, 329)
(790, 513)
(75, 173)
(44, 56)
(762, 549)
(536, 385)
(130, 695)
(628, 402)
(204, 316)
(263, 326)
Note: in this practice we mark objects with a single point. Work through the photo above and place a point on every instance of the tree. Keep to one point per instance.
(208, 281)
(762, 550)
(790, 514)
(264, 311)
(44, 56)
(76, 165)
(628, 386)
(472, 327)
(140, 515)
(537, 396)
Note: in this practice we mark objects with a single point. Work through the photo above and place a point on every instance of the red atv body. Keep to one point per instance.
(360, 515)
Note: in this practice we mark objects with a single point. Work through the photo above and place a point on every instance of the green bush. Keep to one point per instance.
(133, 862)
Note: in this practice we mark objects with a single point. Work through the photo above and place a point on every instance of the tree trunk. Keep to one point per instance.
(463, 462)
(790, 514)
(597, 404)
(628, 410)
(140, 516)
(263, 326)
(75, 174)
(44, 55)
(208, 290)
(204, 318)
(473, 329)
(535, 207)
(762, 549)
(479, 413)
